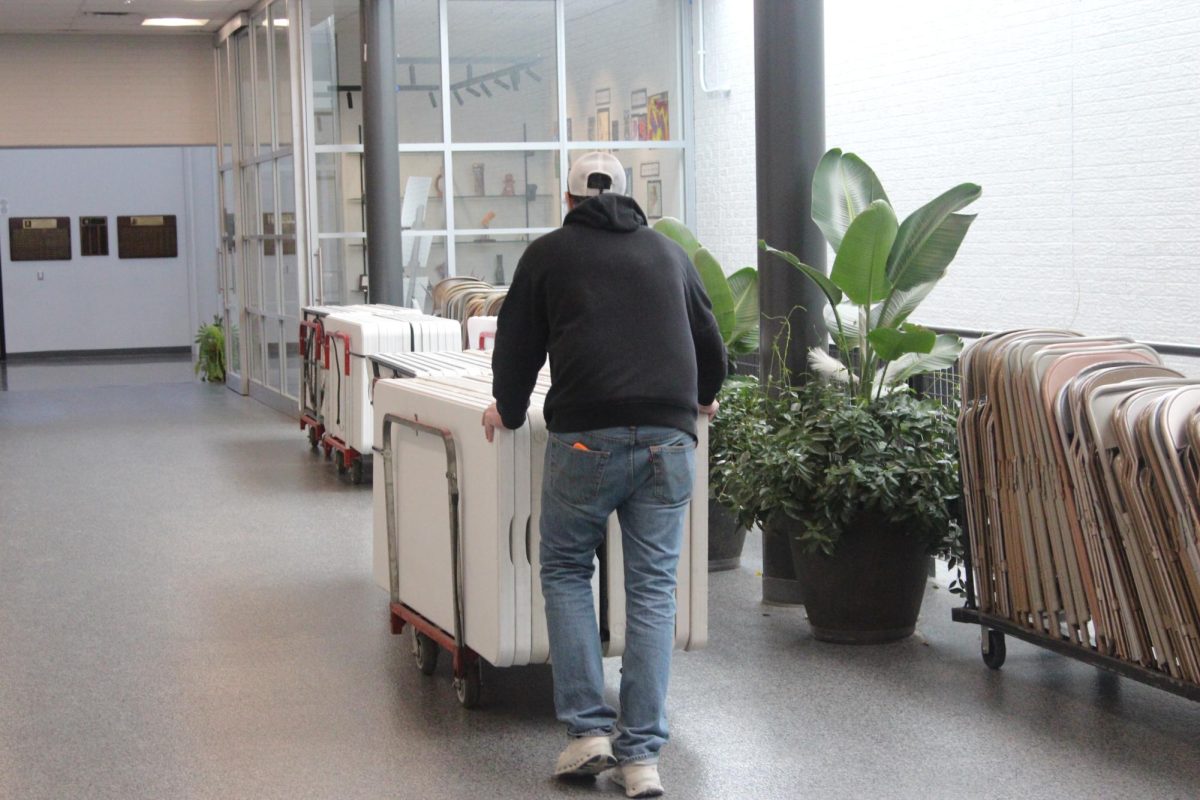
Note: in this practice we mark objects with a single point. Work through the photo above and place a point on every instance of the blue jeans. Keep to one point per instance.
(645, 474)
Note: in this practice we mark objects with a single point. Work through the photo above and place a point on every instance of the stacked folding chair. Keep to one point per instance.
(500, 510)
(1080, 477)
(350, 338)
(462, 298)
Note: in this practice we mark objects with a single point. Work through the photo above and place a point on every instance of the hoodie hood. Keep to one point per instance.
(608, 212)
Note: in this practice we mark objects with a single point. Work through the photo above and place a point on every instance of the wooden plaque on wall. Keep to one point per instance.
(39, 238)
(150, 236)
(93, 236)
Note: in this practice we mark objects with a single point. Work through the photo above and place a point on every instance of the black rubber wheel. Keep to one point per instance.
(339, 461)
(468, 687)
(425, 652)
(995, 651)
(356, 471)
(314, 441)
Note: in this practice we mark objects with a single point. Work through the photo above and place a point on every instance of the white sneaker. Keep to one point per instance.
(639, 780)
(585, 755)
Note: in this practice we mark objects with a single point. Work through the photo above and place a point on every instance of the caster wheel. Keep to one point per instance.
(425, 652)
(467, 688)
(314, 441)
(339, 461)
(356, 471)
(994, 649)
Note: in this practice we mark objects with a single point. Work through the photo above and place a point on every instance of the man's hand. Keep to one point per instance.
(491, 421)
(710, 410)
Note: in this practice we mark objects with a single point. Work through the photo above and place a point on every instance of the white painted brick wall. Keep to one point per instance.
(1078, 117)
(61, 90)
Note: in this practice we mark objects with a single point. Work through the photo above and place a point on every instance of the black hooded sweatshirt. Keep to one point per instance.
(624, 317)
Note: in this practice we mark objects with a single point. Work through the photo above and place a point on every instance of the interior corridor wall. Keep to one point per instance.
(1078, 119)
(105, 302)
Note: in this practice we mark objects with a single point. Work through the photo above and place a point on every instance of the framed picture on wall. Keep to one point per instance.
(637, 98)
(658, 110)
(654, 199)
(603, 97)
(616, 131)
(639, 130)
(629, 181)
(648, 169)
(602, 125)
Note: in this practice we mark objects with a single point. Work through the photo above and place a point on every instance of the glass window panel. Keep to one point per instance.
(274, 331)
(289, 271)
(339, 193)
(283, 74)
(493, 259)
(418, 71)
(251, 257)
(424, 266)
(228, 212)
(509, 46)
(262, 86)
(623, 70)
(233, 341)
(291, 343)
(343, 262)
(245, 93)
(506, 189)
(654, 180)
(266, 199)
(270, 276)
(337, 72)
(255, 344)
(250, 211)
(225, 95)
(422, 187)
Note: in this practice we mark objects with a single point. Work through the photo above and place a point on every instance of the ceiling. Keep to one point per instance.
(75, 16)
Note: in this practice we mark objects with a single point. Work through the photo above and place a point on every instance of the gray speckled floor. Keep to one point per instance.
(186, 611)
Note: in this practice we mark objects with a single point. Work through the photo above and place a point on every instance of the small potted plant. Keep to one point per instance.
(210, 351)
(735, 305)
(859, 472)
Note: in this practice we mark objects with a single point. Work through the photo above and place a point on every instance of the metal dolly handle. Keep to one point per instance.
(466, 661)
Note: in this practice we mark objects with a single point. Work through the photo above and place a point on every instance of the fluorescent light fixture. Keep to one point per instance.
(474, 92)
(174, 22)
(500, 82)
(432, 99)
(485, 89)
(458, 97)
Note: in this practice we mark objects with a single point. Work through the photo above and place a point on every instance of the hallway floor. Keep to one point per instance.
(187, 611)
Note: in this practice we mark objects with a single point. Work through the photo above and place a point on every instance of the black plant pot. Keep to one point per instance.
(725, 538)
(780, 586)
(870, 590)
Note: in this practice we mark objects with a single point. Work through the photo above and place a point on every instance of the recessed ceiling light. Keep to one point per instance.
(174, 22)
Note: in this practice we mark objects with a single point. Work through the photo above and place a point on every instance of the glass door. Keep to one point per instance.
(227, 257)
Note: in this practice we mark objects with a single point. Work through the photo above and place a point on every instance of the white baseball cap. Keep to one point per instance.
(594, 163)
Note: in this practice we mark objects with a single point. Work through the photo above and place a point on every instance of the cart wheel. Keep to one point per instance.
(339, 461)
(994, 655)
(468, 686)
(314, 441)
(356, 471)
(425, 652)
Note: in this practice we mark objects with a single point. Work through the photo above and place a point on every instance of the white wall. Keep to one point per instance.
(69, 90)
(104, 302)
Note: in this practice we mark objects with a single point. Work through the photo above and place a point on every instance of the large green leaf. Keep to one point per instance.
(843, 186)
(679, 233)
(891, 343)
(943, 355)
(832, 293)
(717, 287)
(744, 286)
(860, 268)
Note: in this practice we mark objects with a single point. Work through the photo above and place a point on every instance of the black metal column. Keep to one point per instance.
(381, 156)
(789, 95)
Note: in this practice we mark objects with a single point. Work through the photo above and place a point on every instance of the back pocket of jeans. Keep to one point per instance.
(674, 471)
(575, 474)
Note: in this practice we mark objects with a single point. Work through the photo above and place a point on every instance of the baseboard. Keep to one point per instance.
(118, 353)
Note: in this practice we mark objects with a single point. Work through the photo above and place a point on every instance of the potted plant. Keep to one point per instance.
(735, 305)
(210, 351)
(860, 472)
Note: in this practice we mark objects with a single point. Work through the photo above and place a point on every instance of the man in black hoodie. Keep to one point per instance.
(635, 355)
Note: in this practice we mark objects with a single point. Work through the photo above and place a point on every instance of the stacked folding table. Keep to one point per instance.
(457, 525)
(1081, 479)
